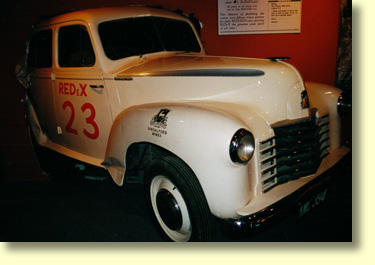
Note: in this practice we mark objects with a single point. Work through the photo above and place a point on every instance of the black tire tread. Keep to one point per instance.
(190, 186)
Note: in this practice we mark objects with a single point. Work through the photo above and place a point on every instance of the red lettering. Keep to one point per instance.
(72, 89)
(61, 88)
(83, 87)
(68, 127)
(90, 121)
(66, 88)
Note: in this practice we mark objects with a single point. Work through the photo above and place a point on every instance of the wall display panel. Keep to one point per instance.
(237, 17)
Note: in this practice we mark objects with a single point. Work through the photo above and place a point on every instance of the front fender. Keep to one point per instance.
(198, 134)
(324, 98)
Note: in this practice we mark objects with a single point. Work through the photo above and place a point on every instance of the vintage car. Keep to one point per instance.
(219, 138)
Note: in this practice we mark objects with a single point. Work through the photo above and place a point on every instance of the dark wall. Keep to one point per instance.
(313, 52)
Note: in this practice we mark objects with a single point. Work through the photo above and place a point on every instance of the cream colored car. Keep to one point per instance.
(133, 89)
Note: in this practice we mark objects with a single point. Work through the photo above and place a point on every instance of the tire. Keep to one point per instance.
(176, 202)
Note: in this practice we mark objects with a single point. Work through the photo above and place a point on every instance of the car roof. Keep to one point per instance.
(98, 15)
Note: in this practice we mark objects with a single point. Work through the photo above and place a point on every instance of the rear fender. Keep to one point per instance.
(34, 124)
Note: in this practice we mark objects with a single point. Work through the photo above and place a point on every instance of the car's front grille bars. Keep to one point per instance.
(295, 151)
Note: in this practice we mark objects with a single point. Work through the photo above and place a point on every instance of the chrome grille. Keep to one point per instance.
(295, 151)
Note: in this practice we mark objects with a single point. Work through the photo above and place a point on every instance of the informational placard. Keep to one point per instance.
(259, 16)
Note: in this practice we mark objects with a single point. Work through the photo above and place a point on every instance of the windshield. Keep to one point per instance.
(137, 36)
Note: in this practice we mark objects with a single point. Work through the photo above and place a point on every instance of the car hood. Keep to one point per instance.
(271, 89)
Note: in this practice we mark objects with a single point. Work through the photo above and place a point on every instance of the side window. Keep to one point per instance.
(74, 47)
(40, 50)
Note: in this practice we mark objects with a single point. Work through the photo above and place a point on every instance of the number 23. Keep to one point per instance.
(89, 120)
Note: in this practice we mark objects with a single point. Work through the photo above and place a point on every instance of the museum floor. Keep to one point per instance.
(69, 209)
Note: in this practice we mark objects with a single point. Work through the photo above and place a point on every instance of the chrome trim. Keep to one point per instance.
(286, 206)
(295, 151)
(201, 72)
(235, 144)
(123, 78)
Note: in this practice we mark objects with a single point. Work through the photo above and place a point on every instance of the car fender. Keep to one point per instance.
(200, 135)
(324, 98)
(34, 124)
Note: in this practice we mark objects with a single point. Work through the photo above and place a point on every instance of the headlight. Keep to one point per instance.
(343, 104)
(242, 146)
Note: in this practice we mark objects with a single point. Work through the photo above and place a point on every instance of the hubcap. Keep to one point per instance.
(169, 210)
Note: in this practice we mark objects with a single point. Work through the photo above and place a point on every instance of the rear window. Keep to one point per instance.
(40, 50)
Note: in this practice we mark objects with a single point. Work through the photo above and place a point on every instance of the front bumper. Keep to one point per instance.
(307, 196)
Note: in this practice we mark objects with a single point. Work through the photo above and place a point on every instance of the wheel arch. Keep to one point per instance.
(139, 154)
(200, 135)
(171, 138)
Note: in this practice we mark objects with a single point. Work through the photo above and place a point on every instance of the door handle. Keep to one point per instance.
(97, 88)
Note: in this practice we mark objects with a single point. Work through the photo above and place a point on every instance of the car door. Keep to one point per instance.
(41, 90)
(83, 112)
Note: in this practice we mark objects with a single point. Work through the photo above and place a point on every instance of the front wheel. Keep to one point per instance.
(176, 202)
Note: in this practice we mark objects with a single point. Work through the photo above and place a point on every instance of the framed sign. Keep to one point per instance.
(237, 17)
